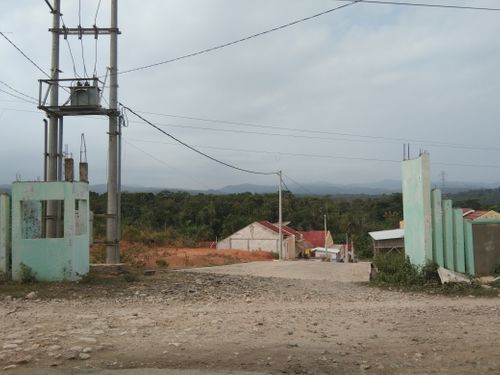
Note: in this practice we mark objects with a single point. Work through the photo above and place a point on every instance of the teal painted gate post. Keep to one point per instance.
(458, 240)
(5, 236)
(449, 260)
(437, 228)
(469, 248)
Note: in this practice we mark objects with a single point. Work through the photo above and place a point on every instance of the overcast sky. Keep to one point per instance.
(421, 74)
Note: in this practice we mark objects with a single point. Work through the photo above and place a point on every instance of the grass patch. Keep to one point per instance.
(396, 271)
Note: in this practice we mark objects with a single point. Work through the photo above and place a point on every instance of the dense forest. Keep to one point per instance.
(180, 218)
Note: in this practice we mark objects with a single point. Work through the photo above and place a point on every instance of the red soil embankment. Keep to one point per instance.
(142, 256)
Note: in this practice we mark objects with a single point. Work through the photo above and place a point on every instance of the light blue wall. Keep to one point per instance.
(52, 259)
(469, 248)
(449, 256)
(458, 240)
(5, 231)
(437, 227)
(417, 209)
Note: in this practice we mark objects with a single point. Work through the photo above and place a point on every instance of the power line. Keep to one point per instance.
(220, 46)
(25, 55)
(81, 39)
(165, 163)
(426, 5)
(298, 184)
(96, 38)
(97, 12)
(69, 47)
(19, 92)
(322, 156)
(194, 149)
(286, 187)
(18, 97)
(369, 138)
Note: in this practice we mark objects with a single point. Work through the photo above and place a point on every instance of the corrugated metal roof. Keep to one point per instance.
(390, 234)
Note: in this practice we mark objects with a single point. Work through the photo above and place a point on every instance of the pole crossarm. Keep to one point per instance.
(85, 31)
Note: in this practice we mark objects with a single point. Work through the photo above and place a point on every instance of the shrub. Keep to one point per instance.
(27, 274)
(398, 270)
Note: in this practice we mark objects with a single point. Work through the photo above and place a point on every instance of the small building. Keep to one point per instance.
(388, 241)
(331, 253)
(317, 238)
(264, 236)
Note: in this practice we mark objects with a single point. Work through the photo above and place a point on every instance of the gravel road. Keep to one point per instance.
(226, 320)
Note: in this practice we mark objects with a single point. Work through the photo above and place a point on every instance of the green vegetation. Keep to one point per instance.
(396, 271)
(181, 219)
(27, 274)
(480, 199)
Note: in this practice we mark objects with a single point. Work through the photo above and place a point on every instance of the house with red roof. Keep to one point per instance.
(471, 215)
(264, 236)
(317, 238)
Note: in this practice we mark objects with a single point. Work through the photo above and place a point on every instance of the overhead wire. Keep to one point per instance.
(69, 48)
(426, 5)
(165, 163)
(18, 97)
(323, 156)
(244, 39)
(17, 91)
(325, 132)
(24, 54)
(286, 187)
(194, 149)
(81, 39)
(298, 184)
(96, 38)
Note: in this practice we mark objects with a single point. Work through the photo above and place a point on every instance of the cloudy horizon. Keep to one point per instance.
(331, 99)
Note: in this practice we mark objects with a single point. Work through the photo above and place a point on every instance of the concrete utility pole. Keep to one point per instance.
(52, 207)
(324, 226)
(280, 219)
(112, 229)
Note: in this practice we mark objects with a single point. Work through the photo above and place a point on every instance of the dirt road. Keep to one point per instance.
(223, 321)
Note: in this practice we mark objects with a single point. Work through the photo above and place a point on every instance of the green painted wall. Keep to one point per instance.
(437, 227)
(458, 240)
(449, 258)
(5, 232)
(469, 248)
(53, 259)
(417, 209)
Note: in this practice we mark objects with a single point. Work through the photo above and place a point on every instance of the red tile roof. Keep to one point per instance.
(474, 215)
(287, 231)
(315, 237)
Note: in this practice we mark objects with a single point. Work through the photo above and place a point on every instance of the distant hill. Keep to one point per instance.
(487, 193)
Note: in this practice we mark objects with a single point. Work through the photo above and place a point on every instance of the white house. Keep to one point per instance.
(263, 236)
